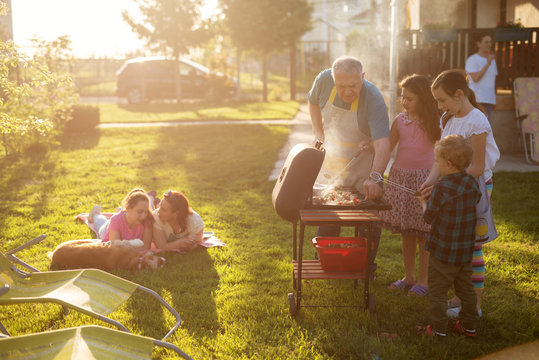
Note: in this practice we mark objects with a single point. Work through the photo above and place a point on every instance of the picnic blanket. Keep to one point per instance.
(209, 240)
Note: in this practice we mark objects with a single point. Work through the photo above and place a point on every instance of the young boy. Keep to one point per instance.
(451, 212)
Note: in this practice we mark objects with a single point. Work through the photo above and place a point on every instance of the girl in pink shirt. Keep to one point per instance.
(415, 130)
(133, 221)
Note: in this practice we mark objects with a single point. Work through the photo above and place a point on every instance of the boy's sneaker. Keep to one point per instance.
(454, 313)
(462, 330)
(95, 211)
(429, 331)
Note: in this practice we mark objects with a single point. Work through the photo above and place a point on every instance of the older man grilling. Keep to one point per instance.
(349, 116)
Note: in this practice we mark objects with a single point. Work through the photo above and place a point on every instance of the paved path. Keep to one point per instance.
(301, 132)
(210, 122)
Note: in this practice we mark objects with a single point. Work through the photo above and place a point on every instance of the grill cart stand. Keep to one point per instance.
(312, 269)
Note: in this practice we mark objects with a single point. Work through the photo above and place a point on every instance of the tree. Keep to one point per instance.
(170, 27)
(265, 26)
(35, 99)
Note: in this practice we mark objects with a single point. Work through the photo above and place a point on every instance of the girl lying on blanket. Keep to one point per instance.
(133, 221)
(176, 226)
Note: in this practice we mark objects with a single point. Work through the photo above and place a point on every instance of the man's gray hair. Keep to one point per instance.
(348, 64)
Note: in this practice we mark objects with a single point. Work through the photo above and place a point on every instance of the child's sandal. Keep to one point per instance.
(399, 285)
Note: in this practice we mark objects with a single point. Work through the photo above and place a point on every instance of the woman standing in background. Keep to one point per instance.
(481, 70)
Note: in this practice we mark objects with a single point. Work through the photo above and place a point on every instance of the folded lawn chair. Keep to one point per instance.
(93, 292)
(527, 110)
(84, 342)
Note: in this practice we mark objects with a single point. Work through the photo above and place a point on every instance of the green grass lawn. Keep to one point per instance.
(233, 300)
(199, 111)
(100, 88)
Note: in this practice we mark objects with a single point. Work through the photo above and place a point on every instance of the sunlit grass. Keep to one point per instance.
(199, 111)
(100, 88)
(233, 299)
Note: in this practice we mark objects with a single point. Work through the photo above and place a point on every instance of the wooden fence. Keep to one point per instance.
(429, 52)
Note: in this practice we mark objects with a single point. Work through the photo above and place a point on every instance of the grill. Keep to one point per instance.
(345, 195)
(293, 195)
(294, 187)
(295, 183)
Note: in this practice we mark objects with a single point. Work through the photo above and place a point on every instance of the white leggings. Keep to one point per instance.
(101, 224)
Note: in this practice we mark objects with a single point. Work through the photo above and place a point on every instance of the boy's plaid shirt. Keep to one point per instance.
(451, 212)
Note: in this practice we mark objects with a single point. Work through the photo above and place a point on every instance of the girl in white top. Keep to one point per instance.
(462, 117)
(176, 225)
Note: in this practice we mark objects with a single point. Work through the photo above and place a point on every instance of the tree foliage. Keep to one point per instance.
(266, 26)
(170, 26)
(35, 99)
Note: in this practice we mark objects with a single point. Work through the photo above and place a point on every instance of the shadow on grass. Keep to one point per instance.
(515, 202)
(187, 282)
(222, 179)
(80, 140)
(25, 184)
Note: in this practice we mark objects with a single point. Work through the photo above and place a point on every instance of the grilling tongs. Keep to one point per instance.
(339, 174)
(379, 178)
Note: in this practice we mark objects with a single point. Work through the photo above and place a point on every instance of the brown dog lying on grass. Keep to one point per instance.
(95, 254)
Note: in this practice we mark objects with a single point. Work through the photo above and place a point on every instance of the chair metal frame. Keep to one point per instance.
(527, 138)
(160, 343)
(18, 272)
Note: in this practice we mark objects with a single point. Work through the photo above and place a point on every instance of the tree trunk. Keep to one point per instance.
(265, 77)
(178, 81)
(293, 71)
(238, 68)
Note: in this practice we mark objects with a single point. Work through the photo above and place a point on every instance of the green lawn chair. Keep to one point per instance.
(90, 291)
(526, 90)
(84, 342)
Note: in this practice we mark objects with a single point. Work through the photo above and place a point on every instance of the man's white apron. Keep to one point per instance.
(342, 141)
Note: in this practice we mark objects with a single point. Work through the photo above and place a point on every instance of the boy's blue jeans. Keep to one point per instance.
(376, 232)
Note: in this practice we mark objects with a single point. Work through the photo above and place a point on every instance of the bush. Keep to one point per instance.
(83, 118)
(276, 94)
(36, 96)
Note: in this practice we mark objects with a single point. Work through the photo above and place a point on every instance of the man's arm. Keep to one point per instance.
(316, 119)
(382, 152)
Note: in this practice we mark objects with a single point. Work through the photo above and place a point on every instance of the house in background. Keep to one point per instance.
(472, 13)
(321, 45)
(436, 35)
(327, 40)
(347, 27)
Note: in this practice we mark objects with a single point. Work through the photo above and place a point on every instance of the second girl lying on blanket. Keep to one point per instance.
(176, 226)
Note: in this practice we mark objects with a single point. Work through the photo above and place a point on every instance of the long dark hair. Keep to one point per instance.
(427, 111)
(450, 81)
(180, 205)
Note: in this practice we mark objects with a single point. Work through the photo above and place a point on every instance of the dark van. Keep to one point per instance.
(147, 78)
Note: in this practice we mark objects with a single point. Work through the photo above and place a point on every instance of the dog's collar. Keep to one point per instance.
(139, 266)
